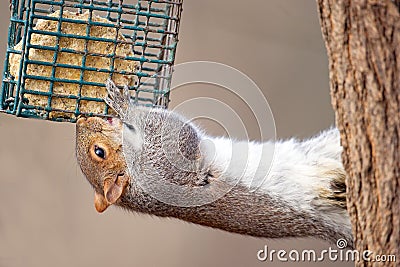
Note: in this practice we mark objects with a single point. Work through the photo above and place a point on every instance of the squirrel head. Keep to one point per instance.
(99, 154)
(122, 159)
(145, 149)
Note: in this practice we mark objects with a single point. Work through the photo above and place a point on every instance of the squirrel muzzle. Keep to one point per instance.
(113, 189)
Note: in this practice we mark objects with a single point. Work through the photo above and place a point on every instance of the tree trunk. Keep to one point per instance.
(363, 43)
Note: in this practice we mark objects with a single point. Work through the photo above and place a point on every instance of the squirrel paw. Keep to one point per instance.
(116, 100)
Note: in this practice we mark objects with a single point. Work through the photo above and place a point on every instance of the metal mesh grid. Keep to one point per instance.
(149, 28)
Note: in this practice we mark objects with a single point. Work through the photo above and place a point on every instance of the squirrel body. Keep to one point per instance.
(301, 194)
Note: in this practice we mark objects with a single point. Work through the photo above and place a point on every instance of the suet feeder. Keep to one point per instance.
(61, 52)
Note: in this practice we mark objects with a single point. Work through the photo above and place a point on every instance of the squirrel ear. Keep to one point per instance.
(113, 189)
(100, 202)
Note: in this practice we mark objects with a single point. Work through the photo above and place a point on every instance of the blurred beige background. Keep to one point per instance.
(47, 216)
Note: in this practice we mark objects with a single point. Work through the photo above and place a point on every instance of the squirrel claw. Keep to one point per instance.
(117, 101)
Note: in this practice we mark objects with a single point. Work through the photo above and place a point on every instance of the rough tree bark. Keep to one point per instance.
(363, 43)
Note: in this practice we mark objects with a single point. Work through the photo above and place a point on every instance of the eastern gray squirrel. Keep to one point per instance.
(302, 194)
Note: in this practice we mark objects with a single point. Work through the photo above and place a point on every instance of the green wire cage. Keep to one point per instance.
(61, 52)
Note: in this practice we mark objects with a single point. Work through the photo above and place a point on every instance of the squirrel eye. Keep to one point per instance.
(99, 152)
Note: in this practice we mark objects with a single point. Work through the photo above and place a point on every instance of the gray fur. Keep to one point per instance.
(162, 148)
